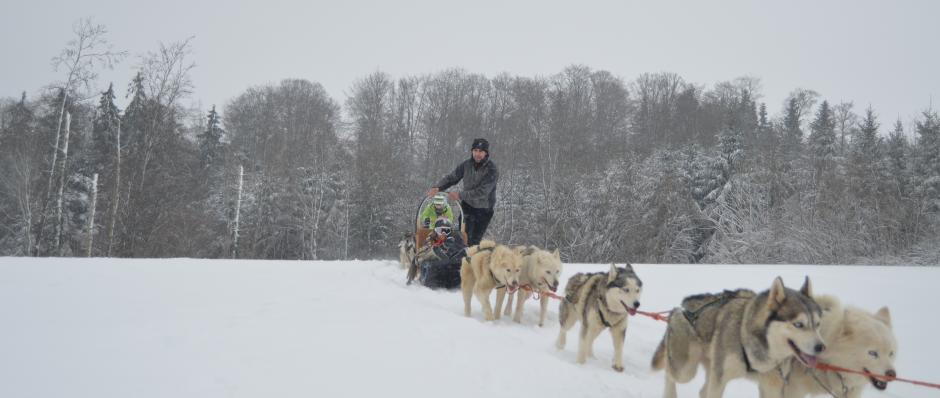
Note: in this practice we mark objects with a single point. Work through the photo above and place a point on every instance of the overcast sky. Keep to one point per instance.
(883, 53)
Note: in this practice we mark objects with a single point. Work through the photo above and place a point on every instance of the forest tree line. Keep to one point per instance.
(652, 169)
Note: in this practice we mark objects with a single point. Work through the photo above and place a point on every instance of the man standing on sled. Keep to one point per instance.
(478, 196)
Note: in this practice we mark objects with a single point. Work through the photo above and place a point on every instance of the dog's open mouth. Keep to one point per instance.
(553, 288)
(630, 310)
(512, 288)
(806, 359)
(879, 384)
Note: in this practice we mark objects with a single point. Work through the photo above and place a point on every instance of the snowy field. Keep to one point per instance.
(215, 328)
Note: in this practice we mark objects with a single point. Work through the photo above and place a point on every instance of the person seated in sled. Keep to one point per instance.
(438, 208)
(439, 259)
(444, 242)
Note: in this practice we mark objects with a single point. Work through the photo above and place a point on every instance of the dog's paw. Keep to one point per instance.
(618, 368)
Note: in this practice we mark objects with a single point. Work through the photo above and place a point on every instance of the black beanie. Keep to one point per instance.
(481, 144)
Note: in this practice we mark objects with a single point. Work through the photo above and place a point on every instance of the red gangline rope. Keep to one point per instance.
(833, 368)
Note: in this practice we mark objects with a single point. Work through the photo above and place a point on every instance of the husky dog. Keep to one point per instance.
(540, 272)
(407, 250)
(599, 300)
(488, 266)
(856, 339)
(740, 334)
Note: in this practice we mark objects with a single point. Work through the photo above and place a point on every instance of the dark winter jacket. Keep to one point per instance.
(442, 251)
(479, 183)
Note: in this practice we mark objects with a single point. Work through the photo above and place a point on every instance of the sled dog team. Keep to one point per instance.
(774, 337)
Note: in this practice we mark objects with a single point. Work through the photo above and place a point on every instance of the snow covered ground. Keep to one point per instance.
(216, 328)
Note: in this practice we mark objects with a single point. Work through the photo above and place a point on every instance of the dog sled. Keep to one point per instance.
(436, 267)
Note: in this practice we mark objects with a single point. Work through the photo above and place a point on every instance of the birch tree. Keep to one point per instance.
(82, 56)
(90, 229)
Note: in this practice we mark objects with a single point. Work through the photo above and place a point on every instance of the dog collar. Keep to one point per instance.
(600, 311)
(499, 284)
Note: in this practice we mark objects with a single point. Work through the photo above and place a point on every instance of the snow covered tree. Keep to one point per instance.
(20, 161)
(822, 139)
(104, 157)
(210, 141)
(822, 147)
(104, 132)
(285, 135)
(376, 177)
(88, 50)
(792, 132)
(867, 160)
(898, 153)
(845, 121)
(928, 159)
(18, 132)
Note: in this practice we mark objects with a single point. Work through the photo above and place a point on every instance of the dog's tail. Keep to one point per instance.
(484, 245)
(659, 357)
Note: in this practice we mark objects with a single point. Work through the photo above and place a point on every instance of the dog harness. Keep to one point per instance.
(722, 299)
(747, 361)
(499, 284)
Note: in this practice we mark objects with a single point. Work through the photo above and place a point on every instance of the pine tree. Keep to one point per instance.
(19, 133)
(762, 121)
(731, 146)
(135, 113)
(866, 159)
(897, 153)
(104, 131)
(747, 120)
(866, 143)
(822, 139)
(928, 160)
(822, 148)
(210, 141)
(792, 133)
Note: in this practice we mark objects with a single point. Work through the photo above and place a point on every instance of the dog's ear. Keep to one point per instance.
(884, 315)
(628, 267)
(777, 293)
(557, 255)
(828, 303)
(612, 274)
(807, 288)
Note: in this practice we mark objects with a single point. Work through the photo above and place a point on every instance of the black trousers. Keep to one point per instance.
(476, 220)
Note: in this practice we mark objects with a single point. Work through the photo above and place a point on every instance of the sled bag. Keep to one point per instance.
(444, 274)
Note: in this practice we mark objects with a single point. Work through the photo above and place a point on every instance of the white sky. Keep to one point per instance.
(871, 52)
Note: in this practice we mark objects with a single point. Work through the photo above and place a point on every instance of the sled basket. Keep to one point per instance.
(421, 233)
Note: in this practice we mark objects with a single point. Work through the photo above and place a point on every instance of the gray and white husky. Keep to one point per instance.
(740, 333)
(600, 300)
(407, 250)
